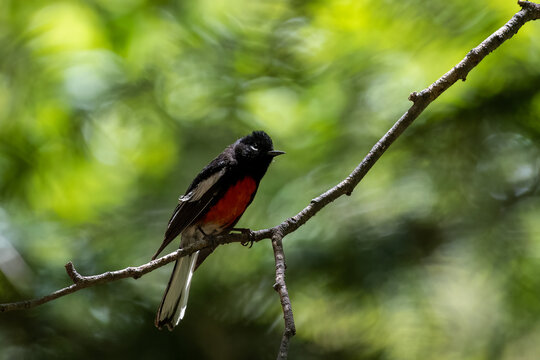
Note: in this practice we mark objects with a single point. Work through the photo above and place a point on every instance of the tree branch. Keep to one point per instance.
(281, 288)
(529, 11)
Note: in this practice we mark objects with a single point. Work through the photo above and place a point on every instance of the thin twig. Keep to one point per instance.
(281, 288)
(529, 11)
(81, 282)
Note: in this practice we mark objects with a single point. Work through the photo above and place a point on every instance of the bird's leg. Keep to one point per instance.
(250, 234)
(211, 239)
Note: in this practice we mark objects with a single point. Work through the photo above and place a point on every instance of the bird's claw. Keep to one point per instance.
(248, 243)
(251, 237)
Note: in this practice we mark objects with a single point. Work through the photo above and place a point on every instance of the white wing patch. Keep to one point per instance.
(202, 188)
(199, 191)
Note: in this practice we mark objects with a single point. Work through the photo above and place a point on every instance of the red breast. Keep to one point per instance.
(232, 204)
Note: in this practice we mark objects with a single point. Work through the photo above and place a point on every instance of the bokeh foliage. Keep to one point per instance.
(109, 108)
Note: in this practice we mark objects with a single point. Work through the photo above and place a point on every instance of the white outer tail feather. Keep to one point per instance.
(179, 315)
(178, 288)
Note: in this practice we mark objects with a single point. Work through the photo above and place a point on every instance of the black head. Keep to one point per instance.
(255, 147)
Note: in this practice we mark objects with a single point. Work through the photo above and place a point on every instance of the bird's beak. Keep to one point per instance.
(275, 152)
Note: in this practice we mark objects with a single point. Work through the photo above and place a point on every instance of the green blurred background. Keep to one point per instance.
(108, 109)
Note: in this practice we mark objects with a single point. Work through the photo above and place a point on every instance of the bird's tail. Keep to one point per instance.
(173, 305)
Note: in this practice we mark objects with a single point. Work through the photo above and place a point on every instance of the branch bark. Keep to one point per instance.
(281, 288)
(529, 11)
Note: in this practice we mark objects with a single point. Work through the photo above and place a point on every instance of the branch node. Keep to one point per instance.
(524, 4)
(413, 96)
(134, 272)
(72, 273)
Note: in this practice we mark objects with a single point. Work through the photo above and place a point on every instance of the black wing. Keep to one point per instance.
(202, 192)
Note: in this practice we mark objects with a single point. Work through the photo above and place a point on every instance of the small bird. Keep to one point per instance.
(212, 205)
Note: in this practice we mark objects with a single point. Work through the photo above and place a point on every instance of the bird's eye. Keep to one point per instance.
(254, 148)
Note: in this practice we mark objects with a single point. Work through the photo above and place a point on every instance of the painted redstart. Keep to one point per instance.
(212, 205)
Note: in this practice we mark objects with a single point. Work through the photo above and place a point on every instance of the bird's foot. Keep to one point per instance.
(212, 241)
(250, 234)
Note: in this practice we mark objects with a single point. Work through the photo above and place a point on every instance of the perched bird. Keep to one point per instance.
(212, 205)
